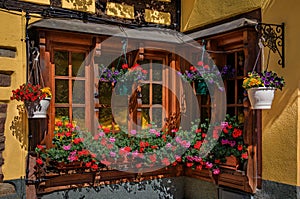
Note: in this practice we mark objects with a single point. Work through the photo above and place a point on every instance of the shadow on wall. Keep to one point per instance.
(19, 126)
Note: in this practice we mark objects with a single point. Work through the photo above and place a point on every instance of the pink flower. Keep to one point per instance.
(112, 139)
(67, 148)
(101, 134)
(208, 165)
(112, 154)
(216, 171)
(133, 132)
(169, 145)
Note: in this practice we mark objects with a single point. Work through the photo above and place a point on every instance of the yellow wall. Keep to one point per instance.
(11, 32)
(196, 13)
(281, 132)
(281, 123)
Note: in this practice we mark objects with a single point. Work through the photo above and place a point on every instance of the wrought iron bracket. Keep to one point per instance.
(272, 36)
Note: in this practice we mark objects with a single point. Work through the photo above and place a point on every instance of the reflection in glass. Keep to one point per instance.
(61, 63)
(145, 117)
(79, 116)
(61, 91)
(157, 70)
(78, 92)
(61, 112)
(105, 117)
(145, 65)
(157, 116)
(77, 62)
(157, 94)
(105, 91)
(145, 94)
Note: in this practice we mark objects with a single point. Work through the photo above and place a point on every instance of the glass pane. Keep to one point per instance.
(157, 116)
(241, 115)
(230, 92)
(61, 91)
(61, 112)
(145, 65)
(145, 118)
(204, 114)
(61, 62)
(231, 111)
(78, 66)
(105, 117)
(78, 92)
(157, 94)
(79, 116)
(157, 67)
(241, 91)
(204, 99)
(105, 91)
(145, 94)
(240, 63)
(230, 60)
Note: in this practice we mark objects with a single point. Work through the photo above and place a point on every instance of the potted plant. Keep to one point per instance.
(261, 87)
(36, 99)
(125, 76)
(229, 149)
(202, 76)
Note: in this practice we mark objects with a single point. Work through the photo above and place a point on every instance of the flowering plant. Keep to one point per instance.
(203, 73)
(68, 147)
(227, 138)
(30, 92)
(227, 72)
(264, 79)
(134, 73)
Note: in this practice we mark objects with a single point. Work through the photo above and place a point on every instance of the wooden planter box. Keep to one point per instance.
(70, 179)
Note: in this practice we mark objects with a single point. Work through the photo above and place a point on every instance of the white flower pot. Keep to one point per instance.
(38, 109)
(261, 97)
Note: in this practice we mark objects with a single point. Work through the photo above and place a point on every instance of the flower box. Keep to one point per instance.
(231, 163)
(70, 179)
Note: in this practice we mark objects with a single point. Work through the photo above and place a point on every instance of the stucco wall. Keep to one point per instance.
(281, 134)
(280, 124)
(12, 35)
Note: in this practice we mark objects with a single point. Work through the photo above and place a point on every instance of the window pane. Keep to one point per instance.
(79, 116)
(105, 90)
(145, 117)
(241, 115)
(145, 65)
(105, 117)
(78, 92)
(61, 112)
(157, 70)
(157, 116)
(240, 64)
(230, 92)
(231, 111)
(241, 91)
(157, 94)
(61, 91)
(78, 67)
(61, 62)
(145, 94)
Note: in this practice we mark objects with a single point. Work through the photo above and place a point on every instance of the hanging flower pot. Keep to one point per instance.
(200, 87)
(38, 108)
(36, 99)
(261, 87)
(261, 97)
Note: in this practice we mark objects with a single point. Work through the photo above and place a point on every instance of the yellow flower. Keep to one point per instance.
(47, 91)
